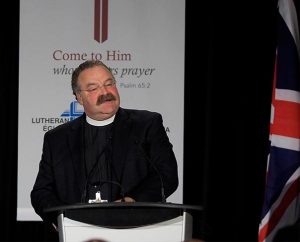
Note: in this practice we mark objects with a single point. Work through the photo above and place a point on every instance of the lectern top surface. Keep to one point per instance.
(125, 205)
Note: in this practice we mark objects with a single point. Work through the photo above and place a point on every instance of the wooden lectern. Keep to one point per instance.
(125, 222)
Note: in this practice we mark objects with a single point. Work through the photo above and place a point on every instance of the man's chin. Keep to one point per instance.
(108, 110)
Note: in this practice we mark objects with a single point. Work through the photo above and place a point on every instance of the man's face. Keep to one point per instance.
(98, 93)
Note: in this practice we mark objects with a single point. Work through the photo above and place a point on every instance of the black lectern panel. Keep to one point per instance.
(123, 217)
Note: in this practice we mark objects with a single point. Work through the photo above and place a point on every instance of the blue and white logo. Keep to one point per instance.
(73, 112)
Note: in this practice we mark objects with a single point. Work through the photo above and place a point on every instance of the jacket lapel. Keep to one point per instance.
(76, 145)
(121, 136)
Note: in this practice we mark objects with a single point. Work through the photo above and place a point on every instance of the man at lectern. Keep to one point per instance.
(107, 154)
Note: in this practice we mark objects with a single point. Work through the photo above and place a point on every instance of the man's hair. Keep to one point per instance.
(85, 65)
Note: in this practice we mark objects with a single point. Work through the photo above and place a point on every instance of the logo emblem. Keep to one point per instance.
(74, 111)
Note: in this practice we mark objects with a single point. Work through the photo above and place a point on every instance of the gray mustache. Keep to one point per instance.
(104, 98)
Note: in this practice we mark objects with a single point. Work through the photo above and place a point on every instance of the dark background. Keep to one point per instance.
(230, 49)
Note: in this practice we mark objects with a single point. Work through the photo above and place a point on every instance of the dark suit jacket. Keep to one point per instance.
(61, 178)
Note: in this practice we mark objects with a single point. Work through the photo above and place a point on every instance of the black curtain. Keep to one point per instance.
(229, 60)
(230, 48)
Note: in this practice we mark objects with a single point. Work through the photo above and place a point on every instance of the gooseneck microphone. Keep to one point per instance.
(84, 193)
(101, 182)
(163, 196)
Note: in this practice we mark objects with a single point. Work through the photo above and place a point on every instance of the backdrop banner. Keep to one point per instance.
(141, 41)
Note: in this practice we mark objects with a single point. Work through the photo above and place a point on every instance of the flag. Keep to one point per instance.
(282, 192)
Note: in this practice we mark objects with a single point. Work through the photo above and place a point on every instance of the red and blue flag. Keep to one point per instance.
(282, 192)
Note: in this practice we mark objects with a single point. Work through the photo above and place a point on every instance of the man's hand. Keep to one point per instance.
(126, 199)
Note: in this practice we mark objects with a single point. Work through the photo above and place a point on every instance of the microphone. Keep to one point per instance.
(84, 193)
(163, 196)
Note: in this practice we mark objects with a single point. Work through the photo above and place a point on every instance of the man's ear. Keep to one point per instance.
(79, 98)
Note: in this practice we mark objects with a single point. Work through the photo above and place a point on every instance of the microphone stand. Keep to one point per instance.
(84, 193)
(163, 196)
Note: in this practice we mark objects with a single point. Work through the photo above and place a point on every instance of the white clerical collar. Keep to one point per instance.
(101, 122)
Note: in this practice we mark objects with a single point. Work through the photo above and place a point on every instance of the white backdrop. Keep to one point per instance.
(144, 46)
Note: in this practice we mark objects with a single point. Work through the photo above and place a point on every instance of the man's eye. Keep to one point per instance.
(91, 89)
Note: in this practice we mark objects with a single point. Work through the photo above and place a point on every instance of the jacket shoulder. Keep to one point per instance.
(65, 126)
(141, 115)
